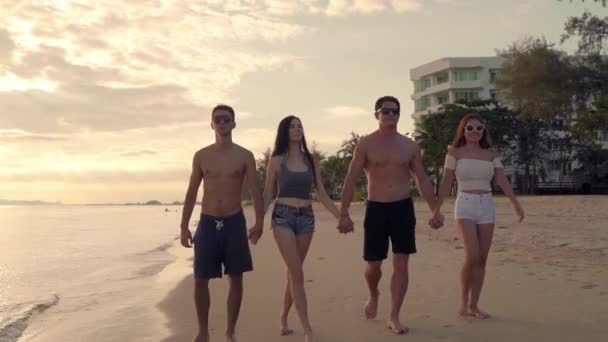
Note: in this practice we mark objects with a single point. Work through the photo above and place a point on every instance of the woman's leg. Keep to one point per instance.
(303, 244)
(468, 229)
(485, 232)
(287, 243)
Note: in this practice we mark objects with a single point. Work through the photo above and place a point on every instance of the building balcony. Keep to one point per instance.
(450, 85)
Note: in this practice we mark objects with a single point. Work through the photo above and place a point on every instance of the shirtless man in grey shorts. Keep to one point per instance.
(221, 235)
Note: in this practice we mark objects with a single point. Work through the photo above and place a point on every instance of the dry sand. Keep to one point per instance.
(547, 280)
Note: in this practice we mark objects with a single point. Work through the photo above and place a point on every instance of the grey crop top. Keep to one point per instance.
(295, 184)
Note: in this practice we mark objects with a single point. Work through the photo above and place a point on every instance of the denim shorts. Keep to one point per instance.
(298, 220)
(478, 208)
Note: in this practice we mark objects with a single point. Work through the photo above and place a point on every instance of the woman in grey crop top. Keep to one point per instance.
(473, 162)
(291, 175)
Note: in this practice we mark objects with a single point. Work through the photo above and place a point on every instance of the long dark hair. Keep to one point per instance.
(460, 140)
(281, 143)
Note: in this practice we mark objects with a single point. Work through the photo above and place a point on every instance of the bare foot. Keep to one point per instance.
(371, 307)
(395, 326)
(476, 313)
(200, 338)
(464, 312)
(309, 337)
(231, 338)
(284, 330)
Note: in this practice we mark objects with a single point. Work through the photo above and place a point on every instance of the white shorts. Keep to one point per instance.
(478, 208)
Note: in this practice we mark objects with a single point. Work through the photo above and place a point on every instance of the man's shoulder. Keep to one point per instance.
(203, 151)
(242, 151)
(408, 143)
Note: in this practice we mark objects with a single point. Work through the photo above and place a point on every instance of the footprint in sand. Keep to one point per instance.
(588, 286)
(448, 326)
(563, 244)
(603, 293)
(531, 273)
(459, 247)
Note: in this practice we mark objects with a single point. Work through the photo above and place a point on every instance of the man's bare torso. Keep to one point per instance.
(387, 166)
(223, 175)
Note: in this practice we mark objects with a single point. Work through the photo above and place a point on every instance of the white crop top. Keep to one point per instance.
(473, 174)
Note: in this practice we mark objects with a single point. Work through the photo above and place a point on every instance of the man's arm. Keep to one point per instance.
(422, 181)
(195, 181)
(256, 195)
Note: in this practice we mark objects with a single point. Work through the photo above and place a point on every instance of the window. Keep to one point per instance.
(422, 104)
(493, 73)
(493, 94)
(422, 84)
(442, 78)
(443, 98)
(465, 76)
(466, 95)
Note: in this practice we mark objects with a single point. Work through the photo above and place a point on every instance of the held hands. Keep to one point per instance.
(345, 224)
(255, 233)
(436, 221)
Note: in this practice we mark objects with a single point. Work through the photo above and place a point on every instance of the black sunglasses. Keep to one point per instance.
(479, 128)
(387, 111)
(222, 119)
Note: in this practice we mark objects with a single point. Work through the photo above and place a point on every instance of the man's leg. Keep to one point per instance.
(202, 302)
(399, 284)
(373, 274)
(235, 296)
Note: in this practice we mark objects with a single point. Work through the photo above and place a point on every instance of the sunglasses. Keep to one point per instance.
(387, 111)
(479, 128)
(222, 119)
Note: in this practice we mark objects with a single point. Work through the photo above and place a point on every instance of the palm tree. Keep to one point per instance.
(347, 149)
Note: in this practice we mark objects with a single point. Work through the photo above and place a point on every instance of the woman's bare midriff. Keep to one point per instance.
(293, 202)
(476, 192)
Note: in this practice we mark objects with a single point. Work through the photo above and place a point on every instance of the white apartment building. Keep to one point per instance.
(447, 80)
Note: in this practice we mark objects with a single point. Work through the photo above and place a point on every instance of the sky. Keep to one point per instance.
(107, 100)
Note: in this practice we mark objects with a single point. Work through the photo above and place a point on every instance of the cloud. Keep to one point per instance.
(7, 46)
(19, 136)
(401, 6)
(342, 112)
(138, 153)
(67, 67)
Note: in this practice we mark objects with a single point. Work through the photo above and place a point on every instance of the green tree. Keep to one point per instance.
(434, 132)
(603, 2)
(536, 79)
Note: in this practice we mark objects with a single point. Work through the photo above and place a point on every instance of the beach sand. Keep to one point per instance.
(546, 280)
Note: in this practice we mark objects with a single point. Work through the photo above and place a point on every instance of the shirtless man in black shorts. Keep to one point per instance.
(388, 159)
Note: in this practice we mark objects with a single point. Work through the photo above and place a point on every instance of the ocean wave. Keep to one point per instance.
(162, 248)
(13, 327)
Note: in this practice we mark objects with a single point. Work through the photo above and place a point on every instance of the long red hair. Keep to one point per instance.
(460, 140)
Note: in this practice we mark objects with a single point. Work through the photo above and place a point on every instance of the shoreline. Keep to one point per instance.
(545, 281)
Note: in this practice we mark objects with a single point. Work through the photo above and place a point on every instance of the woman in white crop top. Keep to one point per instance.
(473, 163)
